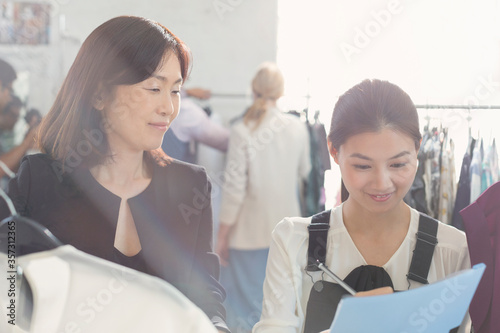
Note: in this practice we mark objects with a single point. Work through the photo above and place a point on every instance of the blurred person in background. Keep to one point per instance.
(193, 126)
(267, 160)
(10, 108)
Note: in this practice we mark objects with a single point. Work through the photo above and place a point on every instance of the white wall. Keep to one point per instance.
(228, 39)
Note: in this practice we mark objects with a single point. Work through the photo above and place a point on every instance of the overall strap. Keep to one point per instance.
(424, 249)
(318, 234)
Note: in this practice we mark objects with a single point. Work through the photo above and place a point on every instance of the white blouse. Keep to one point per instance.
(287, 286)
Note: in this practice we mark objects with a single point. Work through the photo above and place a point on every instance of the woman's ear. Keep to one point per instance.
(99, 98)
(333, 152)
(98, 101)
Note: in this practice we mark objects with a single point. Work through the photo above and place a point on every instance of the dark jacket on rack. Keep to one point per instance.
(173, 218)
(313, 201)
(462, 199)
(481, 221)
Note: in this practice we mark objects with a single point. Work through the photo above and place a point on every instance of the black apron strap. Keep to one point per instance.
(321, 307)
(318, 235)
(424, 249)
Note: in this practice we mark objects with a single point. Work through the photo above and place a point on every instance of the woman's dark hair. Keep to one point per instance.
(371, 106)
(122, 51)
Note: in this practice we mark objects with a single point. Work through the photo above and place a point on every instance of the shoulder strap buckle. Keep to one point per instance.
(424, 249)
(318, 235)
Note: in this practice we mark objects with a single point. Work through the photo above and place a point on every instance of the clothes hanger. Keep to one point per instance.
(316, 116)
(27, 235)
(19, 236)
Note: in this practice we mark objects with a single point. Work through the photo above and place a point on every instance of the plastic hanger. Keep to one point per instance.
(19, 236)
(27, 235)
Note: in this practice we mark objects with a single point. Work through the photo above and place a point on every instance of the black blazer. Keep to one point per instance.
(173, 217)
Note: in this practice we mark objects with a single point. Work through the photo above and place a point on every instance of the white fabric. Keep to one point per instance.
(448, 186)
(476, 172)
(287, 286)
(76, 292)
(263, 170)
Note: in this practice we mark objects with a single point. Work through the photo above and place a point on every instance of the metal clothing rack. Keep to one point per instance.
(418, 106)
(230, 95)
(465, 107)
(236, 95)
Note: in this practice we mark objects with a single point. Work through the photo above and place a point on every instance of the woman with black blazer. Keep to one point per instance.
(103, 184)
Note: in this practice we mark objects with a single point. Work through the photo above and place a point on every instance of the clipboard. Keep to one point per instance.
(437, 307)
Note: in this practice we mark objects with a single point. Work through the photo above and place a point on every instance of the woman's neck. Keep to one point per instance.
(359, 220)
(121, 170)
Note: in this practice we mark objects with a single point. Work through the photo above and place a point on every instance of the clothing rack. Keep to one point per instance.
(235, 95)
(418, 106)
(230, 95)
(465, 107)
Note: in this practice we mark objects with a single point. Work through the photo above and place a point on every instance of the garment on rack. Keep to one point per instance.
(434, 189)
(482, 226)
(432, 149)
(447, 187)
(462, 198)
(476, 170)
(72, 291)
(416, 196)
(425, 192)
(490, 174)
(314, 196)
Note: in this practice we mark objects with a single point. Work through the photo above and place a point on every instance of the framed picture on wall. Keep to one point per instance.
(25, 23)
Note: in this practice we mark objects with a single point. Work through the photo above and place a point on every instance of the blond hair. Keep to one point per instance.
(267, 86)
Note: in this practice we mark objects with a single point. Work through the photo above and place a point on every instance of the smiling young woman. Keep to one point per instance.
(103, 184)
(374, 138)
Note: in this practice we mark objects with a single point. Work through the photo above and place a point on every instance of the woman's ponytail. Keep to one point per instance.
(267, 86)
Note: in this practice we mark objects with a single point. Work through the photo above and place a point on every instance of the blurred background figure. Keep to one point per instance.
(267, 159)
(10, 111)
(192, 126)
(8, 119)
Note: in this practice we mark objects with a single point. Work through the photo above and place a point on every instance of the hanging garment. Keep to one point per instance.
(462, 198)
(432, 149)
(72, 291)
(313, 198)
(482, 220)
(416, 197)
(490, 167)
(447, 187)
(476, 171)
